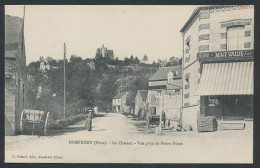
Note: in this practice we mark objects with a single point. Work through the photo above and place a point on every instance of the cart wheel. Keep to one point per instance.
(21, 123)
(46, 124)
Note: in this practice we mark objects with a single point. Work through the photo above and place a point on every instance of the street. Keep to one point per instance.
(120, 138)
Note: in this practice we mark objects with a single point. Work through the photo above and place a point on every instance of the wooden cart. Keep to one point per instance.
(34, 122)
(154, 120)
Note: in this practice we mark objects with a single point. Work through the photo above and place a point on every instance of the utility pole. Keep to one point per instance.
(64, 108)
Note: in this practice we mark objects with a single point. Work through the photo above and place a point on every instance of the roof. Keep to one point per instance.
(161, 74)
(119, 95)
(143, 94)
(237, 78)
(177, 84)
(13, 29)
(13, 32)
(197, 11)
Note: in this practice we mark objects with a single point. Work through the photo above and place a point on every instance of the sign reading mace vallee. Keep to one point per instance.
(237, 53)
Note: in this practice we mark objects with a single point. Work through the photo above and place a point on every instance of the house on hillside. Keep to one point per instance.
(15, 74)
(165, 93)
(140, 100)
(119, 103)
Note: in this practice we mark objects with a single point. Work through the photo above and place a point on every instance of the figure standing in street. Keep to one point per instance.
(148, 117)
(163, 118)
(89, 116)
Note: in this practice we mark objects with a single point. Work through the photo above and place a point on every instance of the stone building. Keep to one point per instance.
(119, 103)
(218, 43)
(15, 74)
(165, 90)
(140, 100)
(44, 64)
(105, 53)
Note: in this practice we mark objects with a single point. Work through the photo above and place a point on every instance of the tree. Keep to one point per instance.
(127, 61)
(137, 61)
(132, 61)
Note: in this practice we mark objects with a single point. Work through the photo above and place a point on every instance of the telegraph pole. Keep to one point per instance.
(64, 108)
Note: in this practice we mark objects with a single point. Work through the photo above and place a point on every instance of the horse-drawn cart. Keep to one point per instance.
(34, 122)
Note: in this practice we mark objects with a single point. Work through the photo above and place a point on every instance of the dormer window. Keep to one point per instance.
(170, 77)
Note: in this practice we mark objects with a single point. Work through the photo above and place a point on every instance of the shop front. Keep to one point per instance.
(226, 91)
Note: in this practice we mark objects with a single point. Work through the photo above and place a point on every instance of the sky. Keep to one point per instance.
(128, 30)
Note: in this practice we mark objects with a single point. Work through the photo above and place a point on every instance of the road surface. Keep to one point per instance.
(116, 139)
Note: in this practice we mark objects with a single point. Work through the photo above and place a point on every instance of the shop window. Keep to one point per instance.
(213, 101)
(203, 48)
(223, 35)
(223, 47)
(247, 33)
(247, 45)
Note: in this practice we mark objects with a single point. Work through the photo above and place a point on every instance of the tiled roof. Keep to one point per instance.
(161, 74)
(13, 32)
(13, 29)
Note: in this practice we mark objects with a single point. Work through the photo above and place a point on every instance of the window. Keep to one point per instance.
(204, 26)
(186, 104)
(186, 96)
(187, 45)
(187, 86)
(235, 38)
(223, 35)
(213, 101)
(204, 15)
(223, 47)
(247, 33)
(203, 48)
(187, 77)
(247, 45)
(204, 37)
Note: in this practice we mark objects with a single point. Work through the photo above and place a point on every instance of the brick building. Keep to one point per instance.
(15, 74)
(218, 43)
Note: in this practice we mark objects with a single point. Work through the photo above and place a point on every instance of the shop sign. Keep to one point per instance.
(236, 53)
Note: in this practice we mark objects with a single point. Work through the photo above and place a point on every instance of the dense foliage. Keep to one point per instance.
(85, 87)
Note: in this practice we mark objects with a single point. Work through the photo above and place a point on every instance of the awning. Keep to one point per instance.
(234, 78)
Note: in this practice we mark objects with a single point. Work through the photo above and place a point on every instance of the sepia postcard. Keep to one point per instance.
(129, 83)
